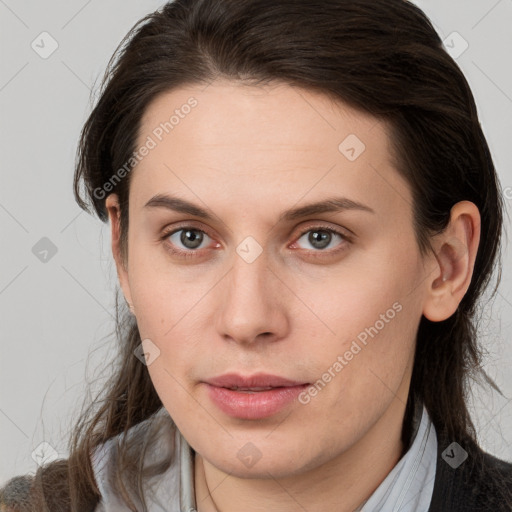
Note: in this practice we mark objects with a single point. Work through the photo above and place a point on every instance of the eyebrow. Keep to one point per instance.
(334, 204)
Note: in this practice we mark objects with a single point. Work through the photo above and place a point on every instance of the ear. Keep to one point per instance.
(455, 253)
(114, 214)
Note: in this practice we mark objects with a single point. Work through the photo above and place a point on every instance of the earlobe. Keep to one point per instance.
(455, 253)
(114, 214)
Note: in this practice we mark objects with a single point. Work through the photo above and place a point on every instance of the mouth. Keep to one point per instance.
(253, 397)
(257, 382)
(251, 390)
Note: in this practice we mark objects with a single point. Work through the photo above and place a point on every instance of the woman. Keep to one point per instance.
(304, 215)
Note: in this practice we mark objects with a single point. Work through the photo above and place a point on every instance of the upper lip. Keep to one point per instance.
(259, 380)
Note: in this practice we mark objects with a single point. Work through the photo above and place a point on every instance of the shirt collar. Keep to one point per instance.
(408, 487)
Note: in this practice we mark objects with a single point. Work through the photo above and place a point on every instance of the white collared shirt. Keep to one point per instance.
(407, 488)
(409, 485)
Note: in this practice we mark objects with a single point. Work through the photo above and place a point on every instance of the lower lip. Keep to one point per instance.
(253, 406)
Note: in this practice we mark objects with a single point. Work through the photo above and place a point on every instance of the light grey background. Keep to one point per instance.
(56, 314)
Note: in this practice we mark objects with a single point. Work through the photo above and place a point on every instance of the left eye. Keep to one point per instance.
(321, 238)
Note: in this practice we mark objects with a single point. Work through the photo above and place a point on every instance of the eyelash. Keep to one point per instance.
(193, 253)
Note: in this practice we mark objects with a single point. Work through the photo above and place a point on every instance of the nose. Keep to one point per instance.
(253, 303)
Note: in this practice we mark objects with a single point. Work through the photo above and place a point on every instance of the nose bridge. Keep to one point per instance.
(249, 277)
(250, 303)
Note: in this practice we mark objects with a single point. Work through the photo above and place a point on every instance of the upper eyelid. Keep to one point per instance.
(320, 226)
(314, 224)
(168, 231)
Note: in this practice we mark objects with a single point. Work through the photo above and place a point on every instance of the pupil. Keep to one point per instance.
(320, 241)
(190, 239)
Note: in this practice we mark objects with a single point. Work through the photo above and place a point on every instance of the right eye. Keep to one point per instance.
(185, 241)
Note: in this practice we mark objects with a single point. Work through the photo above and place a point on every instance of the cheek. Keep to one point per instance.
(163, 295)
(369, 293)
(373, 314)
(171, 386)
(371, 350)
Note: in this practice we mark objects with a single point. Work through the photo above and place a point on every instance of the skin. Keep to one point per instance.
(247, 154)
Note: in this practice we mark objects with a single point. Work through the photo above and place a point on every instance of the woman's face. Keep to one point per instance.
(250, 279)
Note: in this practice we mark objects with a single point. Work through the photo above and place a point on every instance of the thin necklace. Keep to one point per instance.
(203, 474)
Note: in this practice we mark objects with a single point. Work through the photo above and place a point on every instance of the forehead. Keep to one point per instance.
(275, 115)
(234, 140)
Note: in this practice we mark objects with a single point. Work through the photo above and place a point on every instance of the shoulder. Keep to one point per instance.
(49, 489)
(46, 490)
(469, 479)
(16, 493)
(152, 452)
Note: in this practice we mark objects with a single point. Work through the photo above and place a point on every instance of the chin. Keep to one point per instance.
(260, 457)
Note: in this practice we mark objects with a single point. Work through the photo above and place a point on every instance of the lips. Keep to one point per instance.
(255, 382)
(252, 397)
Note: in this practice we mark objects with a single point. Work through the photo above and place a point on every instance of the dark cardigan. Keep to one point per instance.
(482, 483)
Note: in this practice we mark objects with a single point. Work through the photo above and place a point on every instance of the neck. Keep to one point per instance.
(342, 484)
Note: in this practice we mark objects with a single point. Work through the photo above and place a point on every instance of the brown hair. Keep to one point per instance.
(379, 56)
